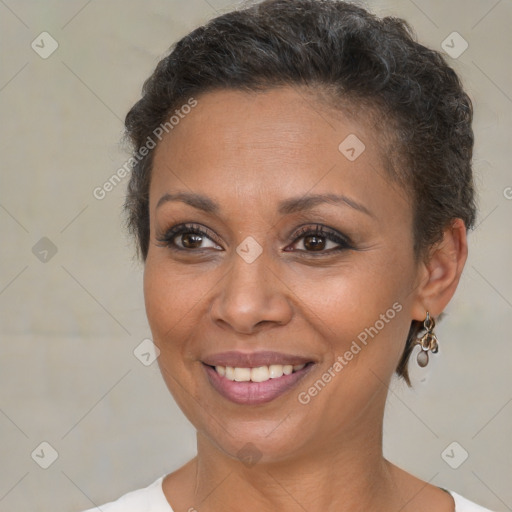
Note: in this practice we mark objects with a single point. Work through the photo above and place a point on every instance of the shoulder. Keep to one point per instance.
(464, 505)
(148, 499)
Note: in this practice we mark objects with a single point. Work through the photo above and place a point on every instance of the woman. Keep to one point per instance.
(302, 220)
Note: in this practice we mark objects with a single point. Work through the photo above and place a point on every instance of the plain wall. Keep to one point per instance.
(69, 325)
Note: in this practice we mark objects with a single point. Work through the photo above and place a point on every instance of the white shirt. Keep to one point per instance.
(152, 499)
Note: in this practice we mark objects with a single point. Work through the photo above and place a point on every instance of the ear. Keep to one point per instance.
(440, 273)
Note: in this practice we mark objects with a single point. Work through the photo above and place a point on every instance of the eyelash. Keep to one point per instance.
(167, 239)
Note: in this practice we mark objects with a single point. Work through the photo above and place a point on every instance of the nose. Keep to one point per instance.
(251, 296)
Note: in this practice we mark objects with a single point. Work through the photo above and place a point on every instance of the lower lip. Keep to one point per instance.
(254, 393)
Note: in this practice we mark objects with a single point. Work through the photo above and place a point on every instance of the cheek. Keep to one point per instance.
(172, 308)
(361, 309)
(172, 301)
(361, 314)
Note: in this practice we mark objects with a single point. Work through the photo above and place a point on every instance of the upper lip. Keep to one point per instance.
(253, 359)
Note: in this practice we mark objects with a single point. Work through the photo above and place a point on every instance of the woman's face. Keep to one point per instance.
(296, 249)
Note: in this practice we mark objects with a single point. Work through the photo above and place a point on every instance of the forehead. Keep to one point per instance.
(276, 122)
(280, 142)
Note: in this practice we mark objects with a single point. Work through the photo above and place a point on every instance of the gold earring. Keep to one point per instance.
(427, 342)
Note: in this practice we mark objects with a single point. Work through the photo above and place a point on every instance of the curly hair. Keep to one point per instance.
(356, 62)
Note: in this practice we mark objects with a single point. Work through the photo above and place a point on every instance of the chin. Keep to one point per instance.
(251, 444)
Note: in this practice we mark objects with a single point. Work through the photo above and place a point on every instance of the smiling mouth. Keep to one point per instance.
(255, 385)
(259, 374)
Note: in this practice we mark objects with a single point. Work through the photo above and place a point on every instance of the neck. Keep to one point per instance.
(347, 475)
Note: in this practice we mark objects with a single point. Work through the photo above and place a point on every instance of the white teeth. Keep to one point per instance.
(276, 371)
(259, 374)
(242, 374)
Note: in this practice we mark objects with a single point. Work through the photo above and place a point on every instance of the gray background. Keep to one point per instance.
(69, 325)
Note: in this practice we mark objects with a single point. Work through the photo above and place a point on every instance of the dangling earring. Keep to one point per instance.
(427, 342)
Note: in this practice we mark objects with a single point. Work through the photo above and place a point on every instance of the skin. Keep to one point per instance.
(249, 152)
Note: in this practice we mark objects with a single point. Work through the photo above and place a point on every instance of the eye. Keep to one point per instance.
(188, 237)
(193, 237)
(320, 240)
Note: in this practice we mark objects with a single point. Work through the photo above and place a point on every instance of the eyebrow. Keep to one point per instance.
(286, 207)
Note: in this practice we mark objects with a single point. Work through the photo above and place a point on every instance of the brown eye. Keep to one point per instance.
(314, 243)
(191, 240)
(188, 237)
(319, 240)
